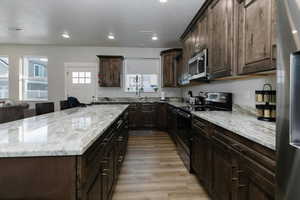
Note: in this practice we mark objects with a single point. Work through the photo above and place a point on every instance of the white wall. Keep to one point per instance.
(243, 90)
(58, 55)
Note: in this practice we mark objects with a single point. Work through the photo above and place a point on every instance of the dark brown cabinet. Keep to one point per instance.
(148, 114)
(201, 153)
(231, 167)
(99, 167)
(169, 71)
(161, 116)
(202, 34)
(134, 119)
(232, 32)
(220, 15)
(222, 171)
(256, 36)
(110, 71)
(142, 116)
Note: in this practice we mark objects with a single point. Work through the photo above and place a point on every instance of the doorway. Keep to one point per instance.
(80, 81)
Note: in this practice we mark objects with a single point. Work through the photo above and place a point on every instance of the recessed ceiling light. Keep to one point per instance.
(111, 37)
(65, 35)
(154, 37)
(295, 31)
(44, 59)
(16, 29)
(163, 1)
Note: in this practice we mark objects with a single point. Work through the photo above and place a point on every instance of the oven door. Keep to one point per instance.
(184, 128)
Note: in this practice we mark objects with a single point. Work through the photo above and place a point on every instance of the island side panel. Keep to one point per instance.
(50, 178)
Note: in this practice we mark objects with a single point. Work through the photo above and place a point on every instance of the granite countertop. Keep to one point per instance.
(178, 104)
(62, 133)
(245, 125)
(241, 123)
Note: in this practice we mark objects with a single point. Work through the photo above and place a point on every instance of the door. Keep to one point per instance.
(222, 170)
(220, 33)
(81, 83)
(257, 47)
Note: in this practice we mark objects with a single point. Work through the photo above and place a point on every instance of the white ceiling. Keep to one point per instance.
(90, 21)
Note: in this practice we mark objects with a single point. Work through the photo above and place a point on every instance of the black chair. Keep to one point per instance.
(64, 105)
(44, 108)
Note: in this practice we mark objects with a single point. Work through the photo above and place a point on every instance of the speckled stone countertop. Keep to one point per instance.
(247, 126)
(62, 133)
(243, 124)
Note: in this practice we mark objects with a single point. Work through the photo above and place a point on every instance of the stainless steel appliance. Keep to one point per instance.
(288, 98)
(198, 66)
(214, 101)
(183, 133)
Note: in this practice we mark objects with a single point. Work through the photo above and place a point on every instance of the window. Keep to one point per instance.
(141, 75)
(81, 77)
(142, 82)
(40, 71)
(4, 70)
(34, 79)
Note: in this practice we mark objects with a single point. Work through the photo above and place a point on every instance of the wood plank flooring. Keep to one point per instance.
(152, 170)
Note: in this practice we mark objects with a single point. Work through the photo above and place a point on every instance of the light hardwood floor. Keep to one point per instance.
(153, 171)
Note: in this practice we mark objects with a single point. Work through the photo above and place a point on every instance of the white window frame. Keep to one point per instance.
(158, 74)
(8, 85)
(41, 71)
(22, 80)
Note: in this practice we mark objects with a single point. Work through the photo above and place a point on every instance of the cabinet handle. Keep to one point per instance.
(104, 174)
(274, 46)
(105, 170)
(238, 147)
(119, 124)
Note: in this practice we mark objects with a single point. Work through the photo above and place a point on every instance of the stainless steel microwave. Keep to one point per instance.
(198, 66)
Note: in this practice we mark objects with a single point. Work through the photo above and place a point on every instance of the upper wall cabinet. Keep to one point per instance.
(202, 33)
(220, 15)
(110, 70)
(256, 36)
(240, 36)
(169, 67)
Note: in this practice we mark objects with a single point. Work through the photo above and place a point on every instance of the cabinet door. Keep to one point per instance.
(94, 192)
(161, 116)
(256, 43)
(108, 170)
(115, 71)
(202, 39)
(254, 184)
(133, 116)
(220, 33)
(186, 56)
(110, 71)
(222, 171)
(169, 71)
(104, 74)
(148, 115)
(201, 161)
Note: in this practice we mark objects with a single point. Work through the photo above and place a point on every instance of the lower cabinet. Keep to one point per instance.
(147, 116)
(201, 160)
(99, 167)
(231, 167)
(161, 116)
(222, 168)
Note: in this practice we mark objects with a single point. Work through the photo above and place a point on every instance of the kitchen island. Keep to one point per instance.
(71, 154)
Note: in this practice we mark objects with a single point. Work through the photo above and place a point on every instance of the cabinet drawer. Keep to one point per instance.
(148, 107)
(201, 127)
